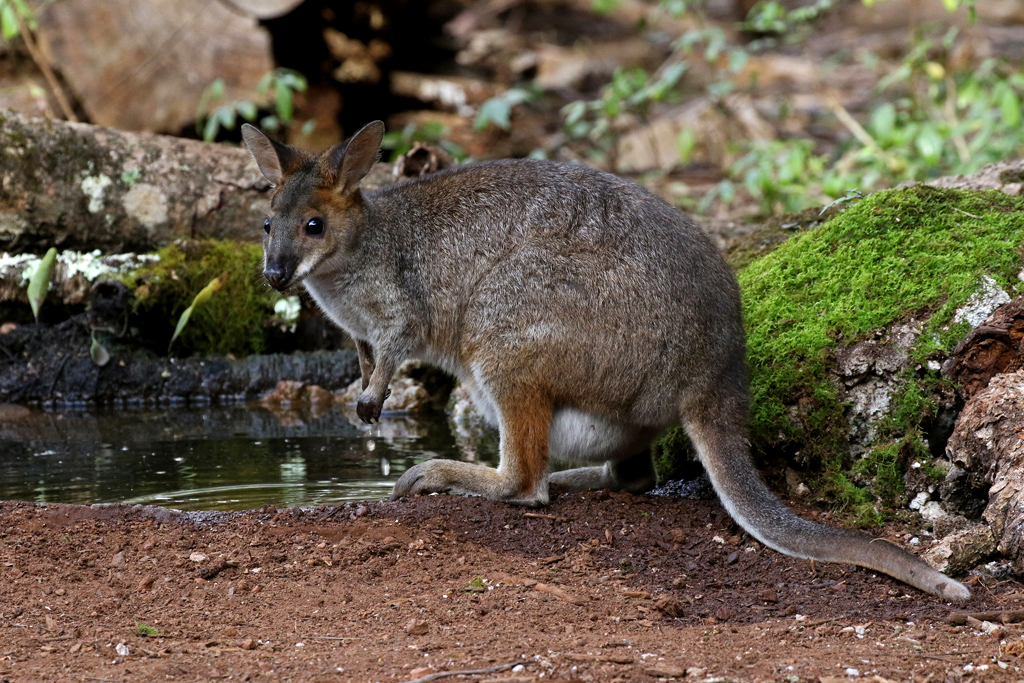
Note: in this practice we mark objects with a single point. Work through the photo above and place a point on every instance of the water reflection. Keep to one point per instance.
(222, 458)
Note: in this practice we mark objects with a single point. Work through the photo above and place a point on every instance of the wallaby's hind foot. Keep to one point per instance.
(521, 477)
(634, 474)
(453, 476)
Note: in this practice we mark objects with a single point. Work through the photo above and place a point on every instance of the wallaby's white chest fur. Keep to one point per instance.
(340, 310)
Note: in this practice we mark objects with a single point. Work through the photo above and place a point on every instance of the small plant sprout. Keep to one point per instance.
(13, 14)
(39, 283)
(286, 312)
(146, 631)
(201, 298)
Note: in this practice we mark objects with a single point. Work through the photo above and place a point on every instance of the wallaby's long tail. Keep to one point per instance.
(726, 457)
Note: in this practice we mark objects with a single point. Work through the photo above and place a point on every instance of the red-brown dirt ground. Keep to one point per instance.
(595, 587)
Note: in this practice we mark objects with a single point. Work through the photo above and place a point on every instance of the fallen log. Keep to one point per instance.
(83, 187)
(77, 186)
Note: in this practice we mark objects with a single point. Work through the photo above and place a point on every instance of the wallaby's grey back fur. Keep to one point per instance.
(584, 315)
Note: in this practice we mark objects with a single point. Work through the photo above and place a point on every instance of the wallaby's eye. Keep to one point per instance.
(266, 226)
(315, 226)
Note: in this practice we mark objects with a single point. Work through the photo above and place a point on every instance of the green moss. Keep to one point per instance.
(146, 631)
(232, 321)
(857, 503)
(673, 455)
(913, 253)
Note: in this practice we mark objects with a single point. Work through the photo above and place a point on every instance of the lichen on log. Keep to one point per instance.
(77, 186)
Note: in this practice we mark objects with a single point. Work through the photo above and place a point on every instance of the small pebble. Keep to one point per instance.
(416, 627)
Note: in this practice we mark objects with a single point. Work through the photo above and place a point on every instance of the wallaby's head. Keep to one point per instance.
(316, 207)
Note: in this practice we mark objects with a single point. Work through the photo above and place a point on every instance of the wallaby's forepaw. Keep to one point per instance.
(369, 406)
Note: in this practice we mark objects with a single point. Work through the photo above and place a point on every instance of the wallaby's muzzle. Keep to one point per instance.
(277, 274)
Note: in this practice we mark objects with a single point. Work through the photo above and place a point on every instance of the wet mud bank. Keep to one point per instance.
(53, 366)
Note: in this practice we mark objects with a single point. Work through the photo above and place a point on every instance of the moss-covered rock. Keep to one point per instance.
(234, 320)
(880, 282)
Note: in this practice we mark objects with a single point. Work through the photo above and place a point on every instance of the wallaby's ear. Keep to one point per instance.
(274, 159)
(352, 161)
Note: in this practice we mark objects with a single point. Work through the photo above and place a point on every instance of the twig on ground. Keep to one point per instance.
(1010, 616)
(540, 515)
(334, 638)
(927, 656)
(965, 213)
(464, 672)
(37, 56)
(558, 593)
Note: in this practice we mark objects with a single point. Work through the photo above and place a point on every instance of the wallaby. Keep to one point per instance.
(584, 315)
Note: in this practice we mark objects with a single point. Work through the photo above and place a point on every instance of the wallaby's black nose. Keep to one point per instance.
(275, 276)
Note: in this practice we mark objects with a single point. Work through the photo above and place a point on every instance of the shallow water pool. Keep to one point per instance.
(216, 458)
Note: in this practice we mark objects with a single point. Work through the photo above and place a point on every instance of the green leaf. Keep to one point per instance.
(201, 298)
(8, 23)
(26, 12)
(929, 144)
(285, 102)
(99, 354)
(883, 123)
(686, 143)
(605, 6)
(737, 60)
(498, 109)
(246, 109)
(676, 8)
(211, 128)
(495, 110)
(727, 191)
(573, 112)
(263, 87)
(39, 283)
(1009, 104)
(227, 117)
(270, 123)
(216, 88)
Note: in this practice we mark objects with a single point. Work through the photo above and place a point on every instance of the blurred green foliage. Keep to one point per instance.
(929, 115)
(398, 142)
(10, 12)
(277, 89)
